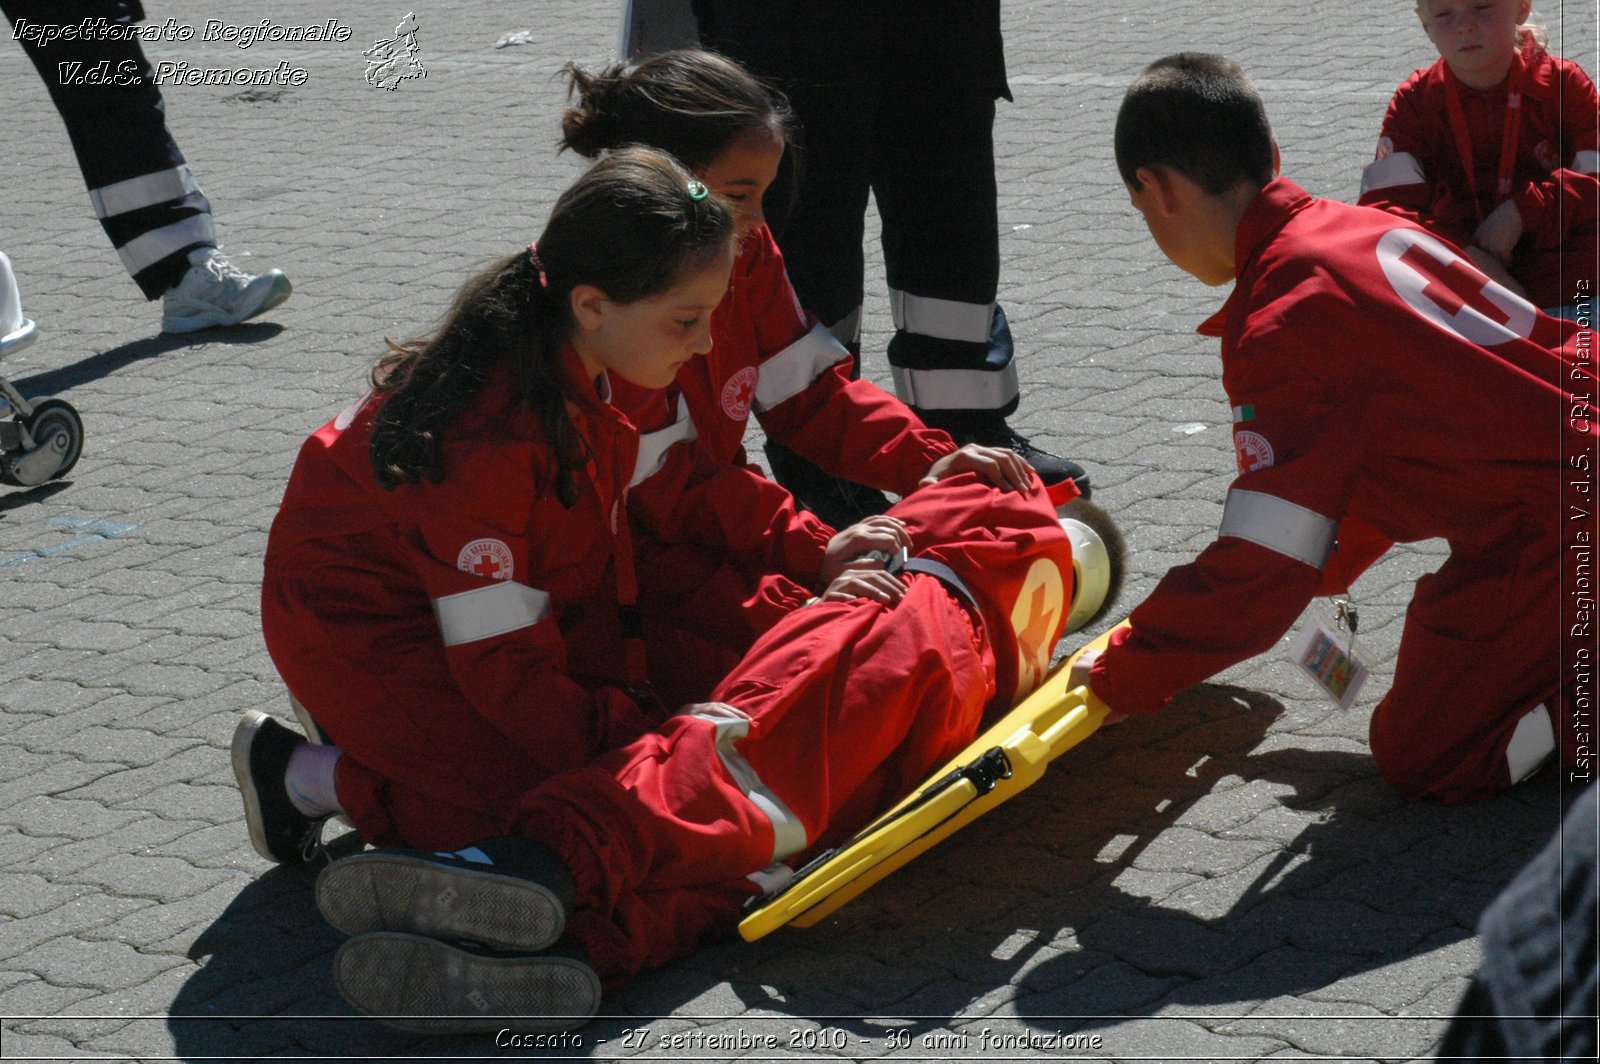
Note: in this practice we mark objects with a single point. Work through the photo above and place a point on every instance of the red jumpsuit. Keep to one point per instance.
(461, 642)
(1421, 170)
(360, 585)
(1383, 391)
(769, 356)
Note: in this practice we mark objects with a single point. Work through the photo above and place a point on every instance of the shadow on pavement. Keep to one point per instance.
(1193, 862)
(265, 988)
(1189, 862)
(55, 381)
(12, 500)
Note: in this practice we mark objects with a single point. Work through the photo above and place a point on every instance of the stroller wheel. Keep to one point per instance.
(53, 420)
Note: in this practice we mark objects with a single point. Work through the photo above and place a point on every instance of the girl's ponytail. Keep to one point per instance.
(689, 103)
(590, 126)
(498, 314)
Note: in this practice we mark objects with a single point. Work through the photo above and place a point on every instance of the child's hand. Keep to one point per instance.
(1500, 232)
(1000, 466)
(1485, 261)
(1078, 676)
(873, 584)
(845, 549)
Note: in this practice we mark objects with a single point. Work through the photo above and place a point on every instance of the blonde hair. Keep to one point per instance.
(1541, 35)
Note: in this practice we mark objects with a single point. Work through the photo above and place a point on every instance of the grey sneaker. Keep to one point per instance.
(507, 893)
(216, 292)
(415, 983)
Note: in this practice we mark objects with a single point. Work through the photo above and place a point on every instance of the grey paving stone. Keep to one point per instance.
(100, 966)
(1338, 1029)
(1236, 857)
(28, 1046)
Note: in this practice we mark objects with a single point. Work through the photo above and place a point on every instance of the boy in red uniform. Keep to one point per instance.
(1495, 148)
(1383, 391)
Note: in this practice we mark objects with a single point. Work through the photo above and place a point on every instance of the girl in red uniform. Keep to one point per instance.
(771, 357)
(451, 589)
(1494, 148)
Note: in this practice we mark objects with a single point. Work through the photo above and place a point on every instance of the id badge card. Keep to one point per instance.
(1326, 653)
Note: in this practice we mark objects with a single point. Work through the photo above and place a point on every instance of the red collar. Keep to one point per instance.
(1278, 201)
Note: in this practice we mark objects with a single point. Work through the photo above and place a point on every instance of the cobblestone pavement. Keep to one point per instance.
(1230, 880)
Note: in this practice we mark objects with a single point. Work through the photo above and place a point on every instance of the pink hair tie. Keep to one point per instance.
(538, 264)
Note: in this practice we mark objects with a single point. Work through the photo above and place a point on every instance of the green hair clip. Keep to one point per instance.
(698, 191)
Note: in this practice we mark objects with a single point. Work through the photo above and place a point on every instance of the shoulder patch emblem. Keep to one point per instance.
(1385, 149)
(739, 393)
(1544, 153)
(1255, 453)
(1450, 292)
(488, 558)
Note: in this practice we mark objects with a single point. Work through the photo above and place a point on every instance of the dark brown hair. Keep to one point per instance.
(690, 103)
(632, 226)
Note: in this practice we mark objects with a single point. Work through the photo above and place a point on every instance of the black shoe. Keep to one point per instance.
(1051, 469)
(989, 429)
(279, 831)
(509, 894)
(415, 983)
(839, 503)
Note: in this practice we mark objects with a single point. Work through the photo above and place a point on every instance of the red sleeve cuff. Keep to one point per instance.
(1103, 681)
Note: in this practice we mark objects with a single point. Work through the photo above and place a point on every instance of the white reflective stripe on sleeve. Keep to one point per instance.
(1279, 525)
(147, 249)
(146, 190)
(944, 319)
(1587, 162)
(791, 371)
(956, 389)
(847, 330)
(489, 611)
(653, 445)
(772, 878)
(788, 834)
(1533, 740)
(1401, 168)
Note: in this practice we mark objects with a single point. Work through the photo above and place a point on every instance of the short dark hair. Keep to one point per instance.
(1200, 115)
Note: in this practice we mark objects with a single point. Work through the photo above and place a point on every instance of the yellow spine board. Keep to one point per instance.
(1045, 725)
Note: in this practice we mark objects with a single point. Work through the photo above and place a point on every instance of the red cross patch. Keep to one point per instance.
(1253, 450)
(488, 558)
(739, 393)
(1450, 292)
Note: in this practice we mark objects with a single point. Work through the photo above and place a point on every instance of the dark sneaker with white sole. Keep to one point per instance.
(421, 984)
(991, 430)
(279, 831)
(509, 894)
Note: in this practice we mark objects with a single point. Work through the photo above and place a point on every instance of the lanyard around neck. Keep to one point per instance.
(614, 514)
(1510, 131)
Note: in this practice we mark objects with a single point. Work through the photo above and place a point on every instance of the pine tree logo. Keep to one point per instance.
(392, 61)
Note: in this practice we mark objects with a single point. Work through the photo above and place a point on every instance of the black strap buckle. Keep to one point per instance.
(983, 772)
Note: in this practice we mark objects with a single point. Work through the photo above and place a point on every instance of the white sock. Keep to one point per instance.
(310, 779)
(1533, 741)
